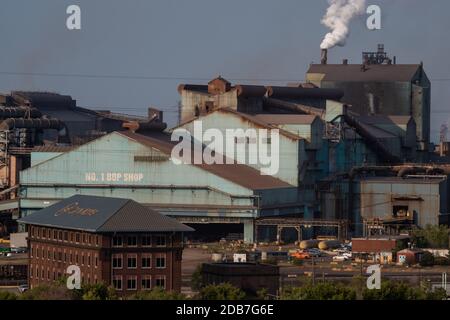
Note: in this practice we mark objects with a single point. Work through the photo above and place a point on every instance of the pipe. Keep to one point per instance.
(294, 107)
(154, 126)
(324, 56)
(19, 112)
(250, 91)
(40, 123)
(306, 93)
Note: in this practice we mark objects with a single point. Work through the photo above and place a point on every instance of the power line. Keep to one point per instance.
(160, 78)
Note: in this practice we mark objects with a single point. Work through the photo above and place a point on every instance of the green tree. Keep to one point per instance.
(6, 295)
(431, 237)
(54, 291)
(427, 259)
(157, 294)
(320, 291)
(393, 290)
(224, 291)
(197, 278)
(99, 291)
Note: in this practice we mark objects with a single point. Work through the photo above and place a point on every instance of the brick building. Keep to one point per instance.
(115, 241)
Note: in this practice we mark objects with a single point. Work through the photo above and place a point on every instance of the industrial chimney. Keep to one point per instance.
(324, 56)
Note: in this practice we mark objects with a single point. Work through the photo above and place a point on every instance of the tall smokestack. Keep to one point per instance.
(324, 56)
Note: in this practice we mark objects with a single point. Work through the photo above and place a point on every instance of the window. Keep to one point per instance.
(77, 238)
(161, 261)
(66, 236)
(96, 261)
(31, 271)
(160, 241)
(132, 241)
(131, 283)
(55, 235)
(146, 241)
(82, 259)
(60, 235)
(89, 260)
(146, 262)
(132, 261)
(84, 238)
(97, 240)
(161, 281)
(117, 241)
(117, 282)
(146, 283)
(117, 261)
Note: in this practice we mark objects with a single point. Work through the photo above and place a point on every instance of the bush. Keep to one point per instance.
(391, 290)
(55, 291)
(197, 278)
(441, 261)
(5, 295)
(427, 259)
(224, 291)
(98, 291)
(320, 291)
(157, 294)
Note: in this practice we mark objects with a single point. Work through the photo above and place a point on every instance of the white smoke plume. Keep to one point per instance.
(337, 19)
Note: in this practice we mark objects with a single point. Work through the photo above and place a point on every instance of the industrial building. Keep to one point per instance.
(380, 85)
(137, 165)
(43, 120)
(355, 155)
(113, 241)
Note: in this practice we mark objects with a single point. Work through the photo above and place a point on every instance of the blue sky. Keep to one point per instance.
(178, 41)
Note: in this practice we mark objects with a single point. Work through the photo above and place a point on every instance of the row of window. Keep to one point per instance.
(131, 282)
(47, 275)
(145, 261)
(144, 241)
(77, 257)
(64, 236)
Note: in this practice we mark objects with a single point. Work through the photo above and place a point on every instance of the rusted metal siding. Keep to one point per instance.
(378, 197)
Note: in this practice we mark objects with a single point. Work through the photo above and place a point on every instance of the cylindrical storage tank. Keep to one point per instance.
(216, 257)
(263, 255)
(308, 244)
(329, 244)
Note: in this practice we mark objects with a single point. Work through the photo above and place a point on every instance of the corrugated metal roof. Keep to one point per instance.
(286, 118)
(238, 173)
(101, 214)
(353, 72)
(52, 148)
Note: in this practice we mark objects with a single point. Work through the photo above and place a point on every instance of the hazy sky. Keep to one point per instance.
(179, 41)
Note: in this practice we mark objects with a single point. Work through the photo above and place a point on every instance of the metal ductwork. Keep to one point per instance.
(153, 126)
(294, 107)
(304, 93)
(372, 142)
(19, 112)
(40, 123)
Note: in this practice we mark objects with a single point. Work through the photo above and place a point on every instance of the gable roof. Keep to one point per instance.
(101, 214)
(240, 174)
(377, 73)
(255, 119)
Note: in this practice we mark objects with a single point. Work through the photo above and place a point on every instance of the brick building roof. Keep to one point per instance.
(101, 214)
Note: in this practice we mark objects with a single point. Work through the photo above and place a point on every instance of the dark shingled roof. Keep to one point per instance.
(377, 73)
(101, 214)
